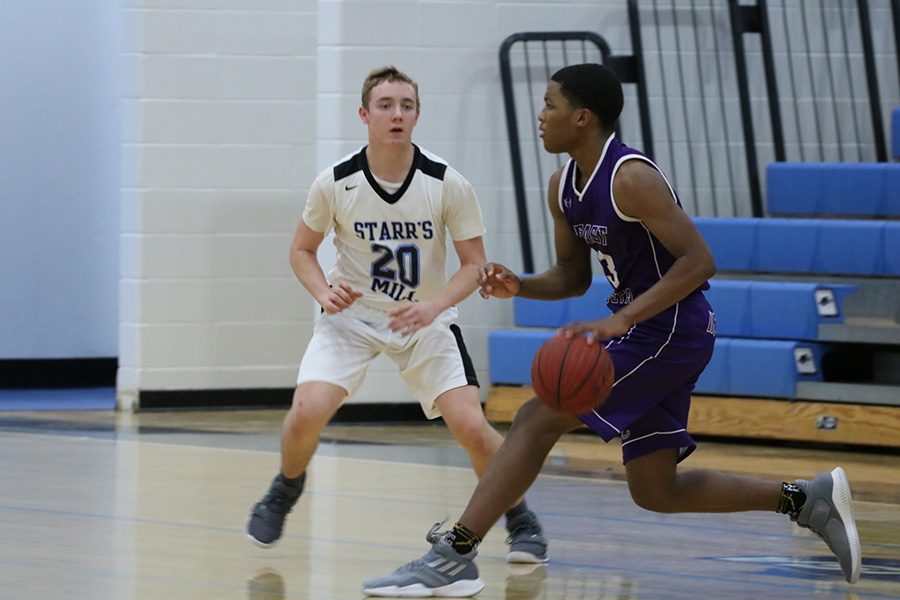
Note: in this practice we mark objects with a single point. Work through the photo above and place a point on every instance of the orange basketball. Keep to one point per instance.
(572, 376)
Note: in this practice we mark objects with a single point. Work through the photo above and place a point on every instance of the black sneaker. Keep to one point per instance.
(267, 518)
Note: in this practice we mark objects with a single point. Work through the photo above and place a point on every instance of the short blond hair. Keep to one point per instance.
(382, 74)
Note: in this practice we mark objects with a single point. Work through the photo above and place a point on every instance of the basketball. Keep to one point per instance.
(572, 376)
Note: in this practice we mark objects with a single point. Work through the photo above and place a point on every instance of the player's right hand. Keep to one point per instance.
(340, 296)
(498, 281)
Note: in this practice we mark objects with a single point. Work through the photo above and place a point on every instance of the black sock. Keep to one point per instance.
(792, 499)
(464, 539)
(296, 482)
(517, 510)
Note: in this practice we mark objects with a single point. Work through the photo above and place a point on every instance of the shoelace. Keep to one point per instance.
(434, 535)
(276, 500)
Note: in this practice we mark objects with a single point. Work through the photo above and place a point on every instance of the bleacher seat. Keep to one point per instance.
(764, 368)
(739, 367)
(776, 309)
(542, 313)
(764, 338)
(808, 246)
(510, 352)
(752, 308)
(833, 189)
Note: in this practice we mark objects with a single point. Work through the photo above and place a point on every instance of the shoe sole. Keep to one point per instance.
(255, 541)
(258, 543)
(457, 589)
(840, 497)
(525, 558)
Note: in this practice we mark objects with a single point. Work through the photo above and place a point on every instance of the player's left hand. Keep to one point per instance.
(601, 329)
(411, 317)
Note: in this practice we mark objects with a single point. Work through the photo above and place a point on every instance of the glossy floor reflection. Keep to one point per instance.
(99, 505)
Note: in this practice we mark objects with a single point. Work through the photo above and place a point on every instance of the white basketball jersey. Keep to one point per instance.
(392, 246)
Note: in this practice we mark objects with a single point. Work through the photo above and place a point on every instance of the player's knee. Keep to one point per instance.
(473, 433)
(535, 417)
(304, 418)
(651, 497)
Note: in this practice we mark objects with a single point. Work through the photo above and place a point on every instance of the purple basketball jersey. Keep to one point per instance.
(659, 360)
(631, 257)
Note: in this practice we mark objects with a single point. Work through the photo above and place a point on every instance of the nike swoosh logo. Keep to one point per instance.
(351, 187)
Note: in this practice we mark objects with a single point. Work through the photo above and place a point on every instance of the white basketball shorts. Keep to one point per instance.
(432, 361)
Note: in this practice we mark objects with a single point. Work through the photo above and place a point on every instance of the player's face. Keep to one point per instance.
(392, 113)
(557, 120)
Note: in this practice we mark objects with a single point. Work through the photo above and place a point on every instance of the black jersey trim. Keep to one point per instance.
(420, 162)
(429, 167)
(349, 166)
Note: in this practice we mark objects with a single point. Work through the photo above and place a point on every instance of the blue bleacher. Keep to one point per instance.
(766, 368)
(510, 352)
(833, 189)
(744, 308)
(809, 246)
(739, 367)
(763, 327)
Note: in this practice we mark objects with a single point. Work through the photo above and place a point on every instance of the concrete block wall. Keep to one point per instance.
(218, 151)
(231, 109)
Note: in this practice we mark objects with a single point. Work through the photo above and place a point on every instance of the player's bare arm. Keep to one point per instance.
(642, 193)
(305, 264)
(570, 276)
(412, 316)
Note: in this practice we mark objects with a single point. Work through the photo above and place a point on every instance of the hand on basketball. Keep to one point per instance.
(411, 317)
(498, 281)
(340, 296)
(602, 329)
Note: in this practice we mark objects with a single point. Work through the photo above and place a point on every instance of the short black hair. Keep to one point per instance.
(594, 87)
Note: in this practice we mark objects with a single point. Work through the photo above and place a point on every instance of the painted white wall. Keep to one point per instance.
(218, 152)
(59, 178)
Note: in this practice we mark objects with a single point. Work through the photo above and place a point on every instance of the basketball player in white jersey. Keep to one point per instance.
(392, 207)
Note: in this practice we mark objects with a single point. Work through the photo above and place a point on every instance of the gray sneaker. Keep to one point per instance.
(266, 520)
(526, 540)
(441, 572)
(828, 512)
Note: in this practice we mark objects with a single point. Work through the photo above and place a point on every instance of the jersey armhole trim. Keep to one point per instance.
(562, 185)
(612, 179)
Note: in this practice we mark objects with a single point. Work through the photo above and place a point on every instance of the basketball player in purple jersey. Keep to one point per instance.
(611, 200)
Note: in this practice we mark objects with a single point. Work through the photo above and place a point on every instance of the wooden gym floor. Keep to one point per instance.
(100, 505)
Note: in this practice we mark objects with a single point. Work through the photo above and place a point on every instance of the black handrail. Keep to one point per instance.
(895, 13)
(746, 19)
(865, 29)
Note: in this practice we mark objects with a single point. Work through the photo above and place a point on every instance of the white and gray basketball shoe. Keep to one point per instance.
(828, 512)
(442, 572)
